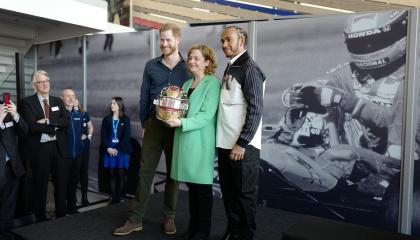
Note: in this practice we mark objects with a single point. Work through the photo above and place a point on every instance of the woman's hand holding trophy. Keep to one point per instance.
(171, 106)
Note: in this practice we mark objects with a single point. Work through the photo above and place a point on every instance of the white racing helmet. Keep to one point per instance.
(376, 40)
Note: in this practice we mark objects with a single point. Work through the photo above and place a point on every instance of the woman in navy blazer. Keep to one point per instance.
(115, 142)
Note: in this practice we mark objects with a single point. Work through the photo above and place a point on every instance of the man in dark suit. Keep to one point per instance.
(11, 167)
(48, 120)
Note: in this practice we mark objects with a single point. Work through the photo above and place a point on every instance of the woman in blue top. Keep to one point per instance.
(115, 140)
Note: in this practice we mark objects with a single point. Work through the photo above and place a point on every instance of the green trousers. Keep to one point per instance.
(157, 138)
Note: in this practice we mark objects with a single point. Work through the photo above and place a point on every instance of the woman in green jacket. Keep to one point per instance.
(195, 140)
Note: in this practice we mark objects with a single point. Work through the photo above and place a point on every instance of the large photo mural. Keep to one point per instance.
(333, 115)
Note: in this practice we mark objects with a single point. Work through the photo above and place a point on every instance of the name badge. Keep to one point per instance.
(8, 124)
(115, 140)
(54, 109)
(77, 119)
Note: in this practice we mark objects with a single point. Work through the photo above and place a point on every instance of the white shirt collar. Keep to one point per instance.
(232, 60)
(41, 98)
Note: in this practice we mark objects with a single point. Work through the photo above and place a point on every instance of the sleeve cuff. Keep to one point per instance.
(184, 125)
(242, 143)
(2, 126)
(16, 118)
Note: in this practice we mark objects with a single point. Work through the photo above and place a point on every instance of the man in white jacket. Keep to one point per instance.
(239, 134)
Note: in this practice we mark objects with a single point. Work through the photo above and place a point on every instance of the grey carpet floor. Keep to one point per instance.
(99, 223)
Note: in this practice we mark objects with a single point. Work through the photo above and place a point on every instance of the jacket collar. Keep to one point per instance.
(243, 58)
(203, 82)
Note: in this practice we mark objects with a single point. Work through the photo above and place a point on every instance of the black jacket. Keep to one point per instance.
(9, 141)
(123, 132)
(31, 111)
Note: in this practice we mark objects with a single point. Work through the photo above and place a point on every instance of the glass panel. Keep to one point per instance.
(63, 61)
(29, 68)
(115, 68)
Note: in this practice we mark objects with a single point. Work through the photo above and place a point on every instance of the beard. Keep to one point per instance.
(231, 51)
(171, 50)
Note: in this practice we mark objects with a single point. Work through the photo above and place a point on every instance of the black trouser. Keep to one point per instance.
(117, 179)
(84, 168)
(238, 182)
(8, 194)
(201, 204)
(48, 159)
(74, 174)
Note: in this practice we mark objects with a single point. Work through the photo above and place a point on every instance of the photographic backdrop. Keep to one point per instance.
(333, 115)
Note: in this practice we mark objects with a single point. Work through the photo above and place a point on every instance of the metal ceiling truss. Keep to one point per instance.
(151, 13)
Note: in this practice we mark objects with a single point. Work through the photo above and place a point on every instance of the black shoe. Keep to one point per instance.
(42, 218)
(114, 201)
(85, 201)
(200, 236)
(72, 211)
(230, 236)
(225, 236)
(6, 235)
(186, 236)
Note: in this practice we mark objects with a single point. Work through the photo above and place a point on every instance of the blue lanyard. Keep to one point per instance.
(115, 127)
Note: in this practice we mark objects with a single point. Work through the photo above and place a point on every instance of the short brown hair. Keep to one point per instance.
(208, 54)
(176, 31)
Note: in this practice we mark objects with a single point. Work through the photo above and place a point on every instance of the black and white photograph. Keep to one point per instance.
(333, 115)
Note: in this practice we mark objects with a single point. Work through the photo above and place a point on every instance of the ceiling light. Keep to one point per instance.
(252, 4)
(326, 8)
(202, 10)
(169, 18)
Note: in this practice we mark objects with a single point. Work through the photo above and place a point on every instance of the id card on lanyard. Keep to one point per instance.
(115, 130)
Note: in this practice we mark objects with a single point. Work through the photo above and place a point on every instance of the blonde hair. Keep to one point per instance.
(208, 54)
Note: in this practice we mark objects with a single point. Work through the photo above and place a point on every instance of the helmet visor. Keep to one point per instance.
(373, 38)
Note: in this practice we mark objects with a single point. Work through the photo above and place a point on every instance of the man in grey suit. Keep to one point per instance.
(11, 167)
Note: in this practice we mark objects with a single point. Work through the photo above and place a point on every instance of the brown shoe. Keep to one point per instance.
(128, 228)
(169, 226)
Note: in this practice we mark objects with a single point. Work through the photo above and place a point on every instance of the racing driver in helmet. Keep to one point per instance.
(369, 91)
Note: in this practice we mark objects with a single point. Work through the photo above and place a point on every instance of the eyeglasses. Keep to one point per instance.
(42, 82)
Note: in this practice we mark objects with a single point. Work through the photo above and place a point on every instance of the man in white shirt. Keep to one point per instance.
(239, 134)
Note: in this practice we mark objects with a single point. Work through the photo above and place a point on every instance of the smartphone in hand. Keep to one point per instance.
(6, 98)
